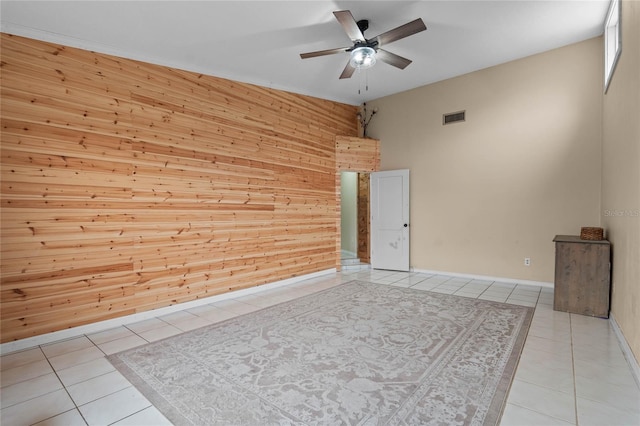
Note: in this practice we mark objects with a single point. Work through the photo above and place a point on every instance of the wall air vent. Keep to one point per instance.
(453, 117)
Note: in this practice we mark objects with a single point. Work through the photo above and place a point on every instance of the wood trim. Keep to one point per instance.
(364, 215)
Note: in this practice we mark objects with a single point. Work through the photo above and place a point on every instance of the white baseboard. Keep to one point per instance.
(626, 349)
(486, 278)
(96, 327)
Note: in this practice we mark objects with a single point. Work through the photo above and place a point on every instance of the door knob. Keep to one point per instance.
(405, 225)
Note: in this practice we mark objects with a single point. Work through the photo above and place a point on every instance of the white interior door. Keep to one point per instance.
(390, 220)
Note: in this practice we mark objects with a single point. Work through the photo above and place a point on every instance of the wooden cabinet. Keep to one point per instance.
(582, 278)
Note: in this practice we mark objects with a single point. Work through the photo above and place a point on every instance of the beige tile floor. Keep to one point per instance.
(572, 370)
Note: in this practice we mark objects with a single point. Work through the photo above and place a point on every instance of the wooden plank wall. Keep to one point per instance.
(353, 154)
(128, 186)
(364, 218)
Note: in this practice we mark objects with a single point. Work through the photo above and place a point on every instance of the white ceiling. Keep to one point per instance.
(260, 41)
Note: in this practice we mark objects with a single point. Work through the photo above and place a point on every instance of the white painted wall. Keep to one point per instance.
(523, 167)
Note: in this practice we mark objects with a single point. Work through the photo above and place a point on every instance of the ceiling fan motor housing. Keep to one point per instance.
(366, 43)
(363, 24)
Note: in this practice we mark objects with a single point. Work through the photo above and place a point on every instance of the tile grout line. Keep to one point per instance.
(33, 378)
(573, 371)
(133, 414)
(550, 388)
(65, 386)
(77, 408)
(510, 293)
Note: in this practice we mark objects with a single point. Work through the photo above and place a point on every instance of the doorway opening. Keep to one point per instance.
(354, 220)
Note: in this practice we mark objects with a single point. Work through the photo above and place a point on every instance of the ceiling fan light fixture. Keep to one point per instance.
(364, 52)
(363, 57)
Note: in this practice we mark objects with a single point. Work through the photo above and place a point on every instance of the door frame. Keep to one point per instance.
(353, 154)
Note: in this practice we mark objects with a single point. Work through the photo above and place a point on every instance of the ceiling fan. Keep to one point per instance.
(365, 51)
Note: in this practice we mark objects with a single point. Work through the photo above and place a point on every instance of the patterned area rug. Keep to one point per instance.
(358, 353)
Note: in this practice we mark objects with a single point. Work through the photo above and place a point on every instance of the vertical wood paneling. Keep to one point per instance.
(128, 186)
(364, 214)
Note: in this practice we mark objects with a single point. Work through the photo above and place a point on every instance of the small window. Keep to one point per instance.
(612, 41)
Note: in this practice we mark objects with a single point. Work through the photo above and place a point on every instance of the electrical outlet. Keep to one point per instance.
(527, 261)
